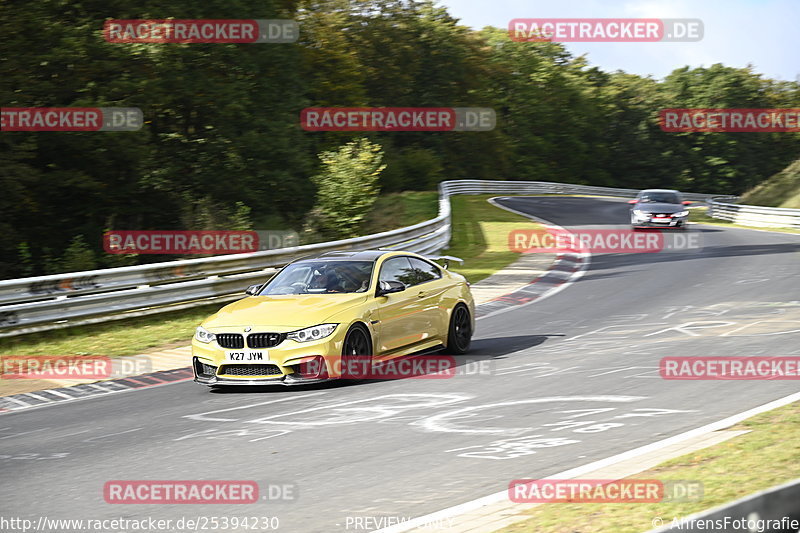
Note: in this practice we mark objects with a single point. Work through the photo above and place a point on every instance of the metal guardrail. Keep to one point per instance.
(753, 215)
(772, 510)
(62, 300)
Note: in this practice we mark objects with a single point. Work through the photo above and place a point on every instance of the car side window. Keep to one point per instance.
(424, 271)
(397, 269)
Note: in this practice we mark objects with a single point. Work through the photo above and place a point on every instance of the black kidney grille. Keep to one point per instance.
(230, 340)
(264, 340)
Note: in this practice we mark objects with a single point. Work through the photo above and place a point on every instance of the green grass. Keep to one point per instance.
(700, 215)
(396, 210)
(780, 190)
(120, 337)
(480, 236)
(767, 456)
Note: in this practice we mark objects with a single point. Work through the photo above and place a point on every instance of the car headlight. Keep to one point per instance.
(314, 333)
(203, 335)
(639, 213)
(681, 214)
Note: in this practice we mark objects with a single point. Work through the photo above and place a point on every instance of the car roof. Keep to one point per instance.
(659, 190)
(353, 255)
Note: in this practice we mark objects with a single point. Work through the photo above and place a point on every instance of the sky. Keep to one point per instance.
(763, 33)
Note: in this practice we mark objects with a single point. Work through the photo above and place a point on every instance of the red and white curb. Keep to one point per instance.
(41, 398)
(565, 270)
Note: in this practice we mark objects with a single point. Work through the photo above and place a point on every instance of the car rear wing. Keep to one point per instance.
(445, 258)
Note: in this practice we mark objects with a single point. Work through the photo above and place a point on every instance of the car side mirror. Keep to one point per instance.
(632, 201)
(252, 290)
(389, 287)
(687, 202)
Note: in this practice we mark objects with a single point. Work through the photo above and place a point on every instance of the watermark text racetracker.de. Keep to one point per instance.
(147, 524)
(603, 491)
(718, 120)
(196, 492)
(163, 31)
(197, 242)
(398, 119)
(72, 367)
(605, 30)
(363, 367)
(71, 119)
(604, 241)
(730, 368)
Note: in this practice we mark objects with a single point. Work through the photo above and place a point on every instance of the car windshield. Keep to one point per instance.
(659, 198)
(321, 277)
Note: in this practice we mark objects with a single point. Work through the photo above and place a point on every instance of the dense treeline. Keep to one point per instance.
(222, 147)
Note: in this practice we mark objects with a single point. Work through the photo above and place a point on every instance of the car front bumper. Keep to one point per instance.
(283, 379)
(658, 222)
(281, 366)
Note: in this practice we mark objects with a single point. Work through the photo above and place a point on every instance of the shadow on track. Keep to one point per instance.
(481, 350)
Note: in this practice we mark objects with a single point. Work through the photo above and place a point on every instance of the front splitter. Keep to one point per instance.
(285, 381)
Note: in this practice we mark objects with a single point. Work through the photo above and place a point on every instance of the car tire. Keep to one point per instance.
(353, 344)
(357, 344)
(459, 335)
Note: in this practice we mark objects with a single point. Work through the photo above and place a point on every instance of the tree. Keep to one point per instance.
(78, 256)
(348, 186)
(222, 146)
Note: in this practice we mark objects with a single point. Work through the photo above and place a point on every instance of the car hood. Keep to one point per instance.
(284, 310)
(659, 208)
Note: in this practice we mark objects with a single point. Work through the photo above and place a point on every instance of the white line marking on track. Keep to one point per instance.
(624, 369)
(32, 395)
(203, 417)
(59, 393)
(72, 434)
(91, 439)
(439, 423)
(98, 387)
(532, 367)
(20, 402)
(345, 413)
(24, 433)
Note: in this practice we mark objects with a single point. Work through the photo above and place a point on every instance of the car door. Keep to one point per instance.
(401, 323)
(430, 288)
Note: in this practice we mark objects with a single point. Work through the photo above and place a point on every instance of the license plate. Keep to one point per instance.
(662, 220)
(246, 355)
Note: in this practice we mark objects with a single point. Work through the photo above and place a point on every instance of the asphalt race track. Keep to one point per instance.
(579, 369)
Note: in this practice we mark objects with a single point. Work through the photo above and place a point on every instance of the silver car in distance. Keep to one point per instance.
(659, 208)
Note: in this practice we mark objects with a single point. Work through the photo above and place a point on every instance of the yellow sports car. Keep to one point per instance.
(317, 312)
